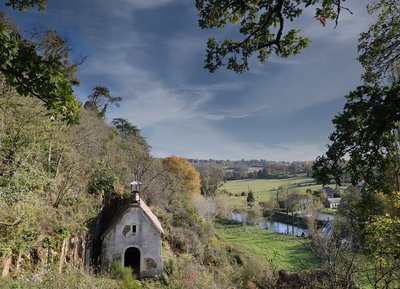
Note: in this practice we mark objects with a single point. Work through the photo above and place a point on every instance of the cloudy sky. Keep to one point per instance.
(151, 53)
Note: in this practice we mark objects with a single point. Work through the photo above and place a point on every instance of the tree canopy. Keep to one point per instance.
(262, 28)
(125, 127)
(379, 47)
(36, 75)
(184, 172)
(40, 67)
(365, 143)
(212, 177)
(25, 4)
(365, 146)
(100, 99)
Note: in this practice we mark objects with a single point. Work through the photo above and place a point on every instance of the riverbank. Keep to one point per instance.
(285, 224)
(283, 251)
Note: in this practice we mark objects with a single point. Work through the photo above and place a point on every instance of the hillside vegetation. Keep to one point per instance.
(62, 164)
(281, 251)
(57, 178)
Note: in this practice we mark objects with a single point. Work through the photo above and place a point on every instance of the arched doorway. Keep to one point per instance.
(132, 259)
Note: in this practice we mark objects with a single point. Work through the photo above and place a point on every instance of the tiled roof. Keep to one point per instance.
(126, 206)
(151, 216)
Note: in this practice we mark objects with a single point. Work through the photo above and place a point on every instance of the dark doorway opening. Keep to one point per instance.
(132, 259)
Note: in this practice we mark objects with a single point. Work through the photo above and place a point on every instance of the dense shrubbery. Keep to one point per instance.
(71, 278)
(55, 179)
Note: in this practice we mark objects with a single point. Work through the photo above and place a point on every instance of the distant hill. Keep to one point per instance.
(259, 169)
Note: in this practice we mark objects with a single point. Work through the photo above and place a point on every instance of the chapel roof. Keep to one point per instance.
(116, 216)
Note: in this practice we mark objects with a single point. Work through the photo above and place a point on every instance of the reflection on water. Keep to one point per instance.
(284, 228)
(273, 226)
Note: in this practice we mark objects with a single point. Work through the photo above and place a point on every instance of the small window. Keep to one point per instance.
(134, 229)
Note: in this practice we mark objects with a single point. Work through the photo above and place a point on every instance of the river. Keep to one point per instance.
(280, 227)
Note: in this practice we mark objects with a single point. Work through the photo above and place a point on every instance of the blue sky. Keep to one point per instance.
(151, 52)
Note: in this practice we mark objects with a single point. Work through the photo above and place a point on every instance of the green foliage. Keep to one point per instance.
(5, 249)
(103, 180)
(367, 133)
(38, 76)
(282, 251)
(22, 145)
(365, 149)
(100, 99)
(71, 278)
(211, 178)
(45, 169)
(125, 127)
(39, 67)
(49, 44)
(250, 197)
(131, 134)
(257, 273)
(379, 47)
(383, 235)
(268, 208)
(261, 27)
(48, 242)
(25, 4)
(382, 243)
(124, 276)
(62, 232)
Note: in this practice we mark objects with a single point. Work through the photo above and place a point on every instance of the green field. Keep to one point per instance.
(264, 189)
(288, 252)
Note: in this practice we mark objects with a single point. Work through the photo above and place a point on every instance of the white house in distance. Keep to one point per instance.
(133, 237)
(333, 203)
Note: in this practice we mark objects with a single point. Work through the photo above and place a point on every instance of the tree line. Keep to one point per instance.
(256, 169)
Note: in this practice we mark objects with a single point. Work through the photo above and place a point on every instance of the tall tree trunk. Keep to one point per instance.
(18, 263)
(44, 258)
(62, 255)
(75, 252)
(49, 159)
(82, 254)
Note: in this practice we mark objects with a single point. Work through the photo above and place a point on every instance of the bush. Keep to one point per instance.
(103, 180)
(124, 276)
(257, 272)
(250, 197)
(71, 278)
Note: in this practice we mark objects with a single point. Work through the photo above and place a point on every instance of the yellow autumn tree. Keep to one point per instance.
(183, 172)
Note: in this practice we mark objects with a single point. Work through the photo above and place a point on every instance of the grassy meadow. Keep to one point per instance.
(284, 251)
(265, 189)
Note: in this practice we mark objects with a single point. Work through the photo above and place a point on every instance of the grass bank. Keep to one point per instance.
(284, 251)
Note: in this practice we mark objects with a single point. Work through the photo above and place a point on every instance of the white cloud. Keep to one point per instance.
(148, 4)
(203, 141)
(181, 108)
(161, 104)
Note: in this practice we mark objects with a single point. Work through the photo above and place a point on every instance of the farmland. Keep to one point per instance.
(265, 189)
